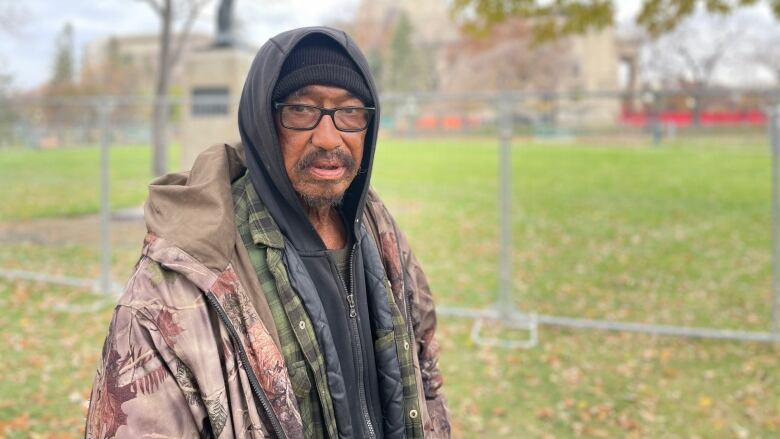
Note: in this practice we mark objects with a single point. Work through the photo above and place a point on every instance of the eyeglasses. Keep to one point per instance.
(307, 117)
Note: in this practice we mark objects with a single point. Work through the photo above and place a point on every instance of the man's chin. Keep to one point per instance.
(319, 201)
(322, 195)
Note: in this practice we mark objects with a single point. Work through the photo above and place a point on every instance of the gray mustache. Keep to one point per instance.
(339, 156)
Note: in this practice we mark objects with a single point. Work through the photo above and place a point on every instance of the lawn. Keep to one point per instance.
(678, 234)
(42, 183)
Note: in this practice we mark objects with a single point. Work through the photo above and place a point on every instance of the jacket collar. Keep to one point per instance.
(262, 226)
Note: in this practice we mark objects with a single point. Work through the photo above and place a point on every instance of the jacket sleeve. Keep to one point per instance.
(134, 393)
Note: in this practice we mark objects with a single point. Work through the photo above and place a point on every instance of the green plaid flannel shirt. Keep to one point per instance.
(305, 361)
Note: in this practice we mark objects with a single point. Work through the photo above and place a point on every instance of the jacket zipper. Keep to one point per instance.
(261, 396)
(357, 349)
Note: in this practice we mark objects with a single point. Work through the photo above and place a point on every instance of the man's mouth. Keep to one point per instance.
(327, 170)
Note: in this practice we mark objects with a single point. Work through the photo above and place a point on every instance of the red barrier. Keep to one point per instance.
(447, 123)
(706, 118)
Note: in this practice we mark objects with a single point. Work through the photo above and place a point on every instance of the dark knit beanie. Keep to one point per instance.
(322, 61)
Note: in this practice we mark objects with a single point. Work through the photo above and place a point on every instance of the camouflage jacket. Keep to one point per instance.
(192, 350)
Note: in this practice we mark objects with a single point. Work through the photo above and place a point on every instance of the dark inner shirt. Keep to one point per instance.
(341, 257)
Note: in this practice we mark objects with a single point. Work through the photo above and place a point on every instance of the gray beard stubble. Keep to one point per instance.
(332, 200)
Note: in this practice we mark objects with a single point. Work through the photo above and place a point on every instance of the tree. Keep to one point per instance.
(376, 64)
(405, 67)
(13, 16)
(689, 57)
(765, 51)
(173, 14)
(692, 53)
(400, 58)
(62, 83)
(561, 17)
(113, 75)
(63, 70)
(7, 113)
(515, 62)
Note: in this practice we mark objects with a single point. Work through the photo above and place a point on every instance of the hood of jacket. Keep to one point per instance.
(194, 209)
(264, 158)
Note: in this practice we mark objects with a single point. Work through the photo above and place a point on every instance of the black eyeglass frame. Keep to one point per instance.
(326, 111)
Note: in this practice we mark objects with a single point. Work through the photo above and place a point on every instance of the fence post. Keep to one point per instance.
(104, 110)
(657, 127)
(412, 110)
(774, 135)
(505, 111)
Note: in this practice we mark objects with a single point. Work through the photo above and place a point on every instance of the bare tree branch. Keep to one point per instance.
(766, 52)
(193, 11)
(694, 52)
(169, 55)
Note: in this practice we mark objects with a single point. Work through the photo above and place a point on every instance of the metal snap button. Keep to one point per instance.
(413, 414)
(301, 324)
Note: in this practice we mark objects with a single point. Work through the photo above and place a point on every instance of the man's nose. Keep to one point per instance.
(325, 134)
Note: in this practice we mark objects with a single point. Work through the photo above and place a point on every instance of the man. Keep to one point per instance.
(275, 296)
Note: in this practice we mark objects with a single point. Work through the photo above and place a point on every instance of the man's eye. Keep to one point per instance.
(299, 109)
(349, 110)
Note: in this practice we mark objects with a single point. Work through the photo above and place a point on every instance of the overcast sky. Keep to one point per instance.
(27, 49)
(27, 52)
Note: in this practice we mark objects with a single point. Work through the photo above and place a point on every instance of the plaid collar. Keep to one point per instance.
(262, 226)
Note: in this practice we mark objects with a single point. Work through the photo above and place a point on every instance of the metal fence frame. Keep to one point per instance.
(505, 310)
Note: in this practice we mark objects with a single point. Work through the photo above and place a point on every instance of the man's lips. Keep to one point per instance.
(330, 170)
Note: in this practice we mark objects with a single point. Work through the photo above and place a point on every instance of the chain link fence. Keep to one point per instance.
(531, 141)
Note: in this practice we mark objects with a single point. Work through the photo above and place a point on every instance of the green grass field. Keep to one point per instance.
(41, 183)
(675, 235)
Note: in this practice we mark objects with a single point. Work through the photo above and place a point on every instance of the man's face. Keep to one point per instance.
(322, 162)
